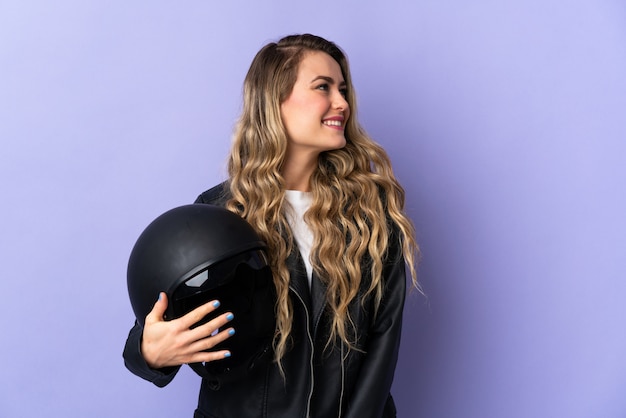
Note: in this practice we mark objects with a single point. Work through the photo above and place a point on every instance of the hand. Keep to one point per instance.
(172, 343)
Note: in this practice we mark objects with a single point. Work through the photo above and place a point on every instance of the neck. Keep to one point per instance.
(297, 171)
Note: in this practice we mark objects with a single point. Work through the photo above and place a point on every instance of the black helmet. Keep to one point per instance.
(198, 253)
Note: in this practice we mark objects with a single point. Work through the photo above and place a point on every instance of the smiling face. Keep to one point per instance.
(315, 112)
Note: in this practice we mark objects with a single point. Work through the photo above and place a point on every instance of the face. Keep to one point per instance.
(315, 112)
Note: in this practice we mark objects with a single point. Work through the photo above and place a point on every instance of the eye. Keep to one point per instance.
(344, 92)
(323, 87)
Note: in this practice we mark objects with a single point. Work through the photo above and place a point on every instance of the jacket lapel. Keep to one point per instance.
(299, 281)
(318, 300)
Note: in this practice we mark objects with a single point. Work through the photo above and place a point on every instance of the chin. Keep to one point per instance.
(337, 145)
(340, 142)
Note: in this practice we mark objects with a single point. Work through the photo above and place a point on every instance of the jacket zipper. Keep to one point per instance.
(311, 368)
(343, 371)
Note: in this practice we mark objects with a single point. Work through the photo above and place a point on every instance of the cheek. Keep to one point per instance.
(291, 110)
(292, 122)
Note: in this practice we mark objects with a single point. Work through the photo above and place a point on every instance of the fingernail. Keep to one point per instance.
(227, 354)
(230, 316)
(160, 295)
(231, 331)
(216, 304)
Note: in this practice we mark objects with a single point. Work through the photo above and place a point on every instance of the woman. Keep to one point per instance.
(324, 198)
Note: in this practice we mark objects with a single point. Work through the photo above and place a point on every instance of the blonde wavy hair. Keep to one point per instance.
(356, 198)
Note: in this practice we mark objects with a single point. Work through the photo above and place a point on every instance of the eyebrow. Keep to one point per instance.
(328, 79)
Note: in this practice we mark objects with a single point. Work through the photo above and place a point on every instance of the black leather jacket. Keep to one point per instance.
(319, 381)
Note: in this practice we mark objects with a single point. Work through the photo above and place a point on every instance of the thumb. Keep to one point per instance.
(157, 312)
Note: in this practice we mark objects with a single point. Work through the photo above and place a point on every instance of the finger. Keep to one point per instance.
(209, 342)
(205, 330)
(158, 310)
(196, 315)
(205, 357)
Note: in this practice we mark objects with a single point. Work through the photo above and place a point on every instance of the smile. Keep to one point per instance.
(333, 123)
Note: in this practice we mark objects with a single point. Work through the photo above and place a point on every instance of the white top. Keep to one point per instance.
(300, 202)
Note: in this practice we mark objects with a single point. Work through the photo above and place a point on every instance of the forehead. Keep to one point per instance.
(317, 63)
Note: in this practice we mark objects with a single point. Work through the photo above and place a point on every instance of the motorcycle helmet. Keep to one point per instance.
(198, 253)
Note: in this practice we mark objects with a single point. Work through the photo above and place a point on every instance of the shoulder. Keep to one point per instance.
(217, 195)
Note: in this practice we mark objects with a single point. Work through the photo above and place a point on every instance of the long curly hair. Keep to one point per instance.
(356, 197)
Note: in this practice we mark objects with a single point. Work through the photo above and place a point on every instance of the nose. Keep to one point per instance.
(340, 102)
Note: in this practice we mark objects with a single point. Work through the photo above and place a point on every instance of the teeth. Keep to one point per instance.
(332, 122)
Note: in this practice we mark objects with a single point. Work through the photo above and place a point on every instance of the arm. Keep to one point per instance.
(156, 351)
(373, 383)
(134, 361)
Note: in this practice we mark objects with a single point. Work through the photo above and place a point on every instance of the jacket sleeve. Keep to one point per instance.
(373, 385)
(134, 361)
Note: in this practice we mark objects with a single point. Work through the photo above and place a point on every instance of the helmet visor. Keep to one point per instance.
(231, 281)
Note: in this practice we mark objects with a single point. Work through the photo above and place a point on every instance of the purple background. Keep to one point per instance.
(505, 122)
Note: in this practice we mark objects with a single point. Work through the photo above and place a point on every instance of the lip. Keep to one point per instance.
(339, 119)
